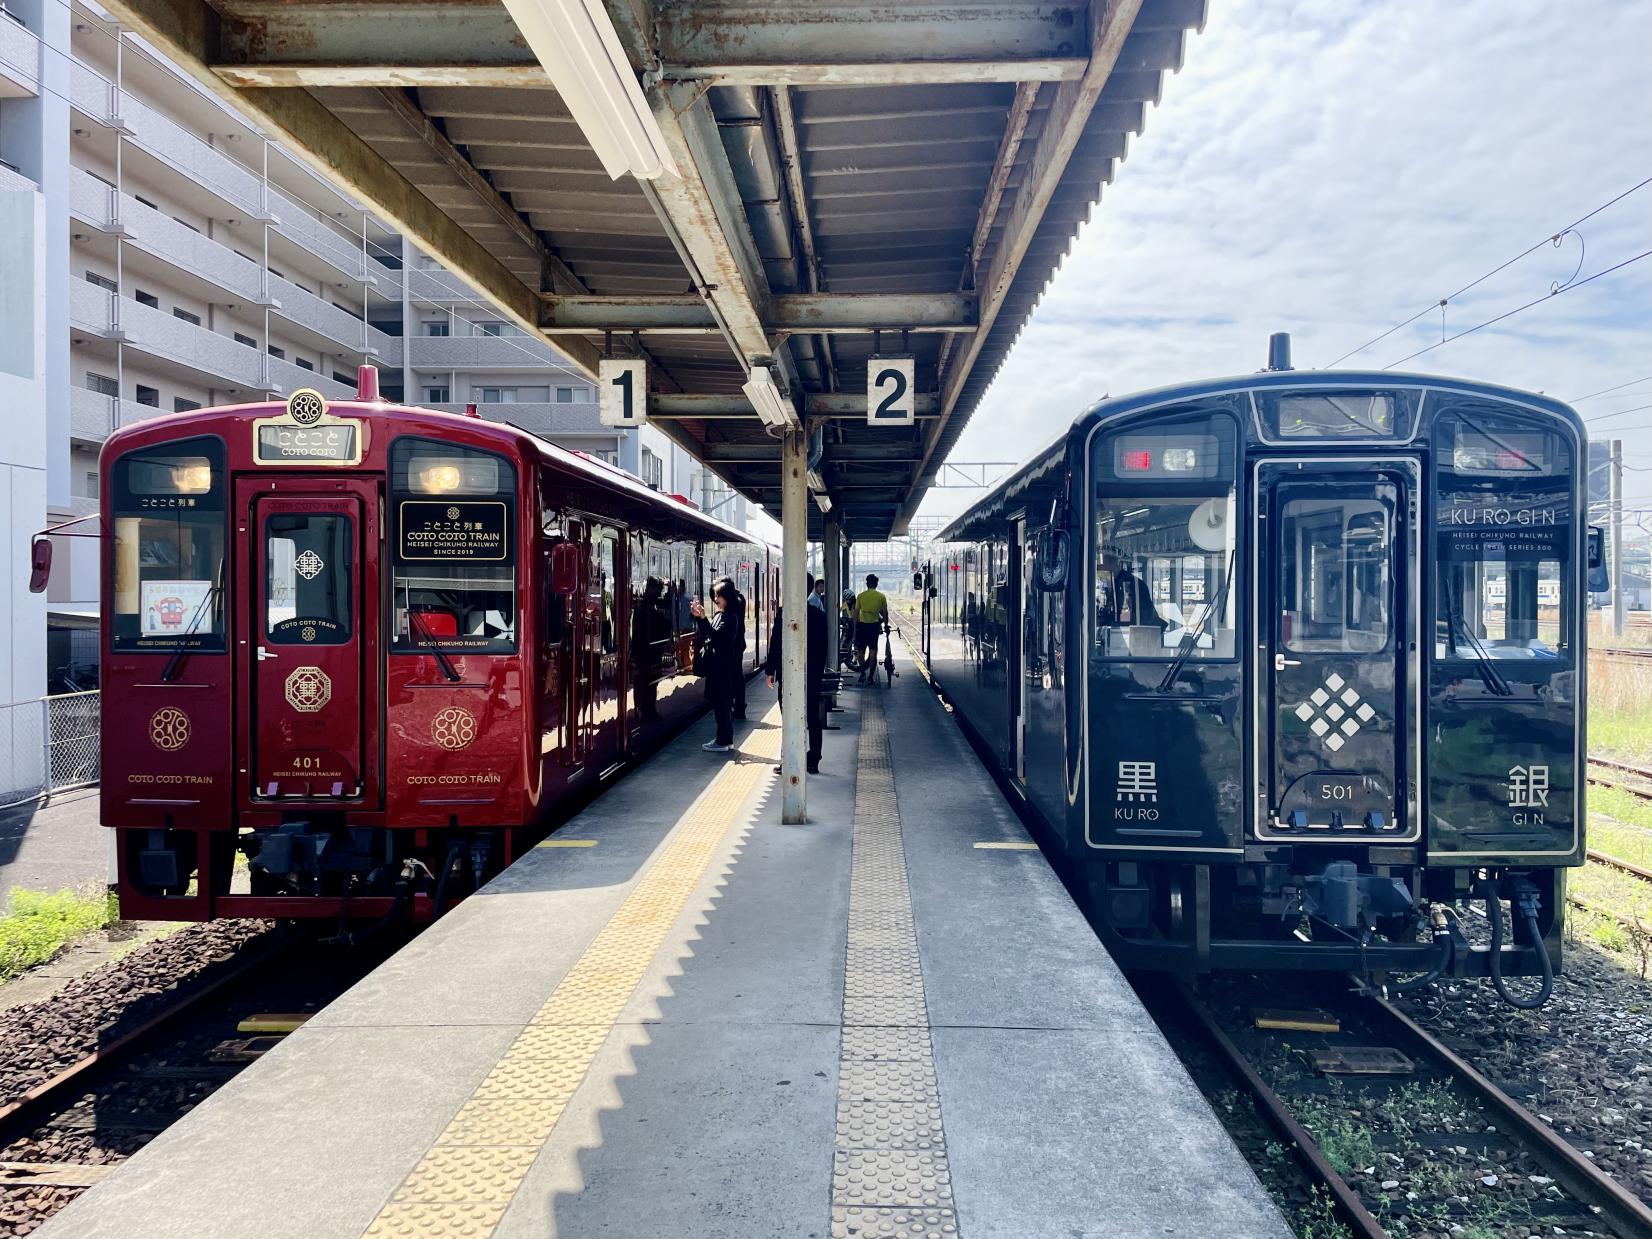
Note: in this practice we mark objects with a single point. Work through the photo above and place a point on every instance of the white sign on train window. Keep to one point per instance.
(622, 384)
(891, 395)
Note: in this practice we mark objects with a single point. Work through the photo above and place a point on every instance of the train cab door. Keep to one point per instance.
(1335, 560)
(311, 653)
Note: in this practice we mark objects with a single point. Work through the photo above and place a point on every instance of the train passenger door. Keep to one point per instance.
(1337, 590)
(601, 721)
(312, 653)
(1019, 578)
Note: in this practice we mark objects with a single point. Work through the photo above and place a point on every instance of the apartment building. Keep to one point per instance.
(159, 253)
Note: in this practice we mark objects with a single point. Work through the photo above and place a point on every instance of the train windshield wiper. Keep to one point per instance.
(180, 653)
(1496, 684)
(442, 660)
(1192, 636)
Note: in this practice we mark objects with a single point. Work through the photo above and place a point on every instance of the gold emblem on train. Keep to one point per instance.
(306, 406)
(307, 632)
(309, 689)
(169, 729)
(453, 728)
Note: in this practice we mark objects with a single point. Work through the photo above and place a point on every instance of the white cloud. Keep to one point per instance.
(1329, 169)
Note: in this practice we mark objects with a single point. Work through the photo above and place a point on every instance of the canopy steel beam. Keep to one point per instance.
(836, 313)
(701, 407)
(189, 32)
(841, 453)
(1063, 126)
(800, 43)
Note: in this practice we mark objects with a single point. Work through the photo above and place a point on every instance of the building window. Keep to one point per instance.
(432, 327)
(180, 405)
(340, 377)
(280, 354)
(148, 299)
(183, 314)
(302, 364)
(653, 470)
(149, 396)
(102, 281)
(499, 395)
(145, 201)
(102, 384)
(436, 395)
(91, 491)
(247, 340)
(280, 275)
(492, 327)
(185, 223)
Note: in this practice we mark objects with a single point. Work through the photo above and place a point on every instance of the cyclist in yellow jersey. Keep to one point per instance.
(871, 617)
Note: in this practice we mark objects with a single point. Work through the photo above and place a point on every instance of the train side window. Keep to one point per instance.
(170, 533)
(1166, 540)
(1504, 550)
(455, 555)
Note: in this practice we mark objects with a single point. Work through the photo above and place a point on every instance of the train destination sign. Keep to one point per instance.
(308, 445)
(460, 529)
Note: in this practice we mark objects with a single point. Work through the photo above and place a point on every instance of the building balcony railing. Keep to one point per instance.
(12, 179)
(162, 335)
(94, 94)
(284, 378)
(437, 284)
(545, 420)
(298, 223)
(480, 353)
(93, 417)
(19, 55)
(301, 306)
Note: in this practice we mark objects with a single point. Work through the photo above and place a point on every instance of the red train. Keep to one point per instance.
(376, 648)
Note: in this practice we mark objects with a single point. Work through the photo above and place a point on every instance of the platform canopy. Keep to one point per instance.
(791, 185)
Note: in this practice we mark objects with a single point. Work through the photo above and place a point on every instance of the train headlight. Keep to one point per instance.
(439, 479)
(192, 478)
(1180, 460)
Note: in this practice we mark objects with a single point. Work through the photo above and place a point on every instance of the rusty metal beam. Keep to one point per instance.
(1064, 124)
(190, 32)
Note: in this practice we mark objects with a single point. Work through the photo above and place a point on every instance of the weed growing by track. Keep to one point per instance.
(1620, 708)
(38, 925)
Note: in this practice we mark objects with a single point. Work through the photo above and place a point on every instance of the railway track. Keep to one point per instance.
(1606, 772)
(1475, 1152)
(1622, 653)
(66, 1133)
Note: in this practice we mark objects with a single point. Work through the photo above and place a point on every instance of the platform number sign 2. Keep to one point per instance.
(622, 386)
(890, 396)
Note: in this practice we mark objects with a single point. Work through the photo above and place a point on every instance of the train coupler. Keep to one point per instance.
(1340, 895)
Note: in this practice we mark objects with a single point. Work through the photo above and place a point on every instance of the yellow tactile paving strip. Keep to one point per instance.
(462, 1186)
(889, 1171)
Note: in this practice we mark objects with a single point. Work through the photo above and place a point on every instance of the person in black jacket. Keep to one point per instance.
(740, 626)
(815, 668)
(720, 645)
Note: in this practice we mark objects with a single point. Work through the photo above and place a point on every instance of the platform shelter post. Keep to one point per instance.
(831, 566)
(794, 523)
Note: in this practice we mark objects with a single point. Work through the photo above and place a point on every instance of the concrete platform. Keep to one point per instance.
(710, 1024)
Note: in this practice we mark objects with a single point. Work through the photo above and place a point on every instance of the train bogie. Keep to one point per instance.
(1290, 667)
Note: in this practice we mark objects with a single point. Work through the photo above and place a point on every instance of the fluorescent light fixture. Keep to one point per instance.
(823, 501)
(816, 482)
(773, 406)
(580, 51)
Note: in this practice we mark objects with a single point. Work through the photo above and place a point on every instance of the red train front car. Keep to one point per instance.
(376, 650)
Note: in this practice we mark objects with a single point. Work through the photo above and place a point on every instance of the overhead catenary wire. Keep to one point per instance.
(1550, 239)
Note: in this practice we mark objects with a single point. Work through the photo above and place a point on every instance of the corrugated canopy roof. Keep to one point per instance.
(902, 177)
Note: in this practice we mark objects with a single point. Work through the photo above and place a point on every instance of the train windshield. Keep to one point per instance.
(169, 540)
(1505, 535)
(455, 548)
(1164, 547)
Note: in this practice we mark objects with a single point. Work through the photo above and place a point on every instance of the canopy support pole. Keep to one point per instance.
(794, 521)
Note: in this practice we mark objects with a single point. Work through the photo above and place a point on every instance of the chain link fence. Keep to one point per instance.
(48, 745)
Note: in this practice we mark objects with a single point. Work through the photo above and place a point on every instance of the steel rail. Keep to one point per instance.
(1623, 866)
(19, 1117)
(1580, 1176)
(1350, 1208)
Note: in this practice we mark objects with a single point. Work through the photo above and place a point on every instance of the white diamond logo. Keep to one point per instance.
(309, 565)
(1334, 712)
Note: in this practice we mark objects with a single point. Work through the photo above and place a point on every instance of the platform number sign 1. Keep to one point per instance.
(890, 396)
(622, 387)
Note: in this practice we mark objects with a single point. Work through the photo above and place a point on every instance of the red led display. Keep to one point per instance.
(1138, 462)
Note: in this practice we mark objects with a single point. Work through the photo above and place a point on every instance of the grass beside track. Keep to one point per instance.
(38, 925)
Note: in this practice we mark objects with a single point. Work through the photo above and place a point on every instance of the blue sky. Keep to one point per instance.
(1329, 169)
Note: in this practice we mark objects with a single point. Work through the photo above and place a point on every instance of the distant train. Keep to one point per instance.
(1290, 666)
(375, 649)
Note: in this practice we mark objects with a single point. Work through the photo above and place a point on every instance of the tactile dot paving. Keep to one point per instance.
(467, 1173)
(519, 1078)
(889, 1125)
(893, 1223)
(502, 1122)
(559, 1040)
(875, 1043)
(888, 1080)
(891, 1177)
(886, 1009)
(435, 1221)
